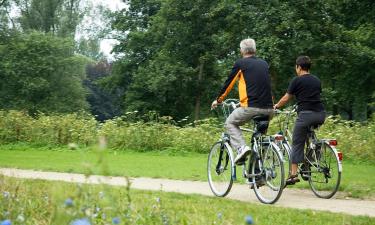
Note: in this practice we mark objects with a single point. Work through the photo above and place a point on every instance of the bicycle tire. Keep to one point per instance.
(273, 180)
(325, 176)
(220, 170)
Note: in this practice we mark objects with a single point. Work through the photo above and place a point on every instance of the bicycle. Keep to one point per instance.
(284, 135)
(322, 164)
(264, 169)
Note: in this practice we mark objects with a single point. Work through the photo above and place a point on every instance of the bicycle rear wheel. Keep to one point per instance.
(325, 173)
(270, 182)
(220, 168)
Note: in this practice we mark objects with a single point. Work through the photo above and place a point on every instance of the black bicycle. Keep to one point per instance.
(322, 164)
(264, 169)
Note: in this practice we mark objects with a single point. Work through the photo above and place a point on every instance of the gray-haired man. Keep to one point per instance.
(254, 86)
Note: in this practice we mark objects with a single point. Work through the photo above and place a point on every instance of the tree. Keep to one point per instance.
(41, 73)
(59, 17)
(102, 103)
(174, 46)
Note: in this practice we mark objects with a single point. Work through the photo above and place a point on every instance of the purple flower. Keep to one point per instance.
(5, 222)
(83, 221)
(249, 219)
(116, 220)
(68, 202)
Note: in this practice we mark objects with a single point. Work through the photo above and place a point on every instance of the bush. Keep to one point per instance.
(17, 126)
(130, 132)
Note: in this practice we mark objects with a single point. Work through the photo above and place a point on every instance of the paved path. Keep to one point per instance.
(291, 198)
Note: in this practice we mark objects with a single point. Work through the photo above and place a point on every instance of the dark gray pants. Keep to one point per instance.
(304, 120)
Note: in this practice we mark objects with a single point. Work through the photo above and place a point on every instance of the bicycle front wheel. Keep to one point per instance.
(285, 152)
(325, 175)
(220, 168)
(269, 180)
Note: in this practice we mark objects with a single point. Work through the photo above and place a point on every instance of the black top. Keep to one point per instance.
(307, 89)
(254, 84)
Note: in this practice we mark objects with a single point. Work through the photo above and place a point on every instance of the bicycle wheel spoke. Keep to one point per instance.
(270, 183)
(325, 176)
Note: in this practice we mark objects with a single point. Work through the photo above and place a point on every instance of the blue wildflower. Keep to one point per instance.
(219, 215)
(68, 202)
(116, 220)
(83, 221)
(249, 219)
(5, 222)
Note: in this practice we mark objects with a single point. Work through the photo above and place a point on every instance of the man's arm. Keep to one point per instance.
(228, 85)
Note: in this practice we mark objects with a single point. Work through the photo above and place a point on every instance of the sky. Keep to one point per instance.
(106, 45)
(91, 23)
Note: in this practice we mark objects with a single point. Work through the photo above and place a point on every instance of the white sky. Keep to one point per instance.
(106, 45)
(91, 23)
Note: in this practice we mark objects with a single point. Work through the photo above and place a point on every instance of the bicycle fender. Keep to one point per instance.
(337, 156)
(234, 175)
(278, 150)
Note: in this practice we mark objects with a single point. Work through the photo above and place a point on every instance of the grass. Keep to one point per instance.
(45, 202)
(356, 180)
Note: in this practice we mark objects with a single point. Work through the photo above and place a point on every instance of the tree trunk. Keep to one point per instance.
(199, 92)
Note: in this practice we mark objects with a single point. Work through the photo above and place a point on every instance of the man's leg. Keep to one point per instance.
(239, 117)
(236, 119)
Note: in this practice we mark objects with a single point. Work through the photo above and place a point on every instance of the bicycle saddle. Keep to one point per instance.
(259, 118)
(314, 126)
(261, 122)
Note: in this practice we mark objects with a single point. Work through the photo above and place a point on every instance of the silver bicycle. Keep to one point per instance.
(263, 170)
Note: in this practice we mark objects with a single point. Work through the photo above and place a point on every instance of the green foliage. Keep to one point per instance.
(355, 139)
(40, 72)
(151, 136)
(17, 126)
(195, 44)
(153, 133)
(58, 17)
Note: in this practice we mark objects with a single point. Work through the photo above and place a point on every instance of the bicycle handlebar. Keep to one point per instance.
(235, 103)
(293, 110)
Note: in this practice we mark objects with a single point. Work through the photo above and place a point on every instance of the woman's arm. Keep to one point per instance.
(283, 101)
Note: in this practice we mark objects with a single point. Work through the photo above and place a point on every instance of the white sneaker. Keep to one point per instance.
(242, 153)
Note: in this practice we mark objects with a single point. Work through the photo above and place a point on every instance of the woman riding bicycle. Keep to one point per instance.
(307, 89)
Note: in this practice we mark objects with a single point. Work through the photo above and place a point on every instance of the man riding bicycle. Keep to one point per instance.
(254, 86)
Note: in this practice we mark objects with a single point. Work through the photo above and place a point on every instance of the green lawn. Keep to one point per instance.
(44, 202)
(356, 180)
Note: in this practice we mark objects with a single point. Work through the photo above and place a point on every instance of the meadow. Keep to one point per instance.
(33, 202)
(149, 146)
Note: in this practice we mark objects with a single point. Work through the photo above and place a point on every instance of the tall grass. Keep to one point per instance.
(133, 132)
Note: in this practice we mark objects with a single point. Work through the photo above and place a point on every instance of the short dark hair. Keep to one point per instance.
(304, 62)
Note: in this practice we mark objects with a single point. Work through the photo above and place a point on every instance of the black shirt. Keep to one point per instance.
(254, 83)
(307, 89)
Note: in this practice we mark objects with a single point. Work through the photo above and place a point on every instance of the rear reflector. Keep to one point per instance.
(279, 137)
(333, 142)
(339, 154)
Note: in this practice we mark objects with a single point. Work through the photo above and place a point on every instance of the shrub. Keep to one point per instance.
(130, 132)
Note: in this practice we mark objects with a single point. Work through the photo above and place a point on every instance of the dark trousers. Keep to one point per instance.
(304, 120)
